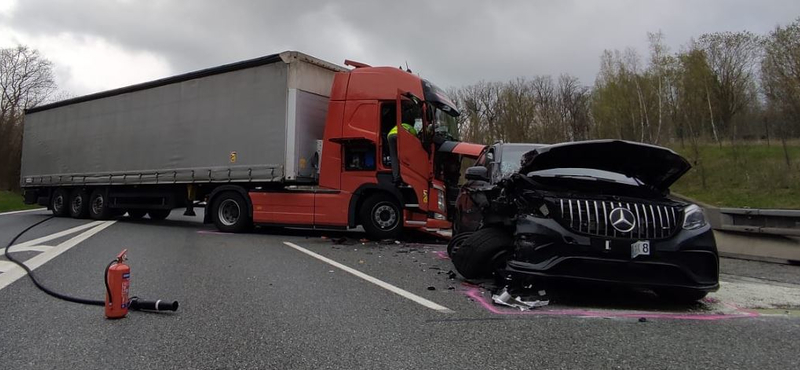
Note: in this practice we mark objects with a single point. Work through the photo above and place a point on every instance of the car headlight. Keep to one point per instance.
(440, 200)
(693, 217)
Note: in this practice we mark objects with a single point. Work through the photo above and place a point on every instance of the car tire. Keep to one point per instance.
(229, 213)
(79, 203)
(98, 205)
(158, 214)
(482, 253)
(680, 296)
(381, 217)
(455, 243)
(136, 214)
(59, 203)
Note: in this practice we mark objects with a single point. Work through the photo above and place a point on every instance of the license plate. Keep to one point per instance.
(641, 247)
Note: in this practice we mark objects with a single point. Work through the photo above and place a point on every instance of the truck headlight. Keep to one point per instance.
(440, 200)
(693, 217)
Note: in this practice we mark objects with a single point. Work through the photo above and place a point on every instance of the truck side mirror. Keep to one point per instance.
(479, 173)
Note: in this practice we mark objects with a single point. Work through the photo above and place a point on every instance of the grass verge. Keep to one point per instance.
(13, 202)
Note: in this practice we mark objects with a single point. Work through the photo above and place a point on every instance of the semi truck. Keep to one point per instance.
(281, 140)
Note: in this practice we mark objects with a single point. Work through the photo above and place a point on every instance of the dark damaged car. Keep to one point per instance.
(596, 211)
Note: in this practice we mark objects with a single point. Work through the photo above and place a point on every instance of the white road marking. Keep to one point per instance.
(23, 211)
(55, 236)
(17, 272)
(33, 248)
(5, 266)
(380, 283)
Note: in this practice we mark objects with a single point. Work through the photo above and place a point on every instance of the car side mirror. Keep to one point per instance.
(477, 173)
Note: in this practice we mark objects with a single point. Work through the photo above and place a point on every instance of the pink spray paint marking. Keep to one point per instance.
(474, 293)
(442, 255)
(211, 232)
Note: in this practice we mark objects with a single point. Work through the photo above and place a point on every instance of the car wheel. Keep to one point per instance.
(681, 296)
(59, 203)
(79, 203)
(229, 213)
(136, 214)
(98, 205)
(482, 253)
(455, 243)
(381, 217)
(158, 214)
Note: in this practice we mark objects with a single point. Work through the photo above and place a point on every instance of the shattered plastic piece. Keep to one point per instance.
(451, 274)
(364, 240)
(506, 299)
(642, 319)
(431, 288)
(396, 242)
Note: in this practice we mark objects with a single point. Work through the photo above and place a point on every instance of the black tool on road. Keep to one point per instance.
(134, 303)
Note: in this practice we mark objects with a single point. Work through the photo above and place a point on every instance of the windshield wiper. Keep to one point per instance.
(584, 177)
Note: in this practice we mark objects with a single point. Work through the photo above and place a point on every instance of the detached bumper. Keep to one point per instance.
(687, 260)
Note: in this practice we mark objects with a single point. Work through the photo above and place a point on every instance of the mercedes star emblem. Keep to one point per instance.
(622, 219)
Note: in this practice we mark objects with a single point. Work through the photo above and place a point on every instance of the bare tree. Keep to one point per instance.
(780, 76)
(26, 79)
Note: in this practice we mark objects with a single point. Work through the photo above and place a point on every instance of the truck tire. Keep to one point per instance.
(381, 217)
(59, 203)
(455, 243)
(136, 214)
(79, 203)
(229, 213)
(482, 253)
(99, 205)
(158, 214)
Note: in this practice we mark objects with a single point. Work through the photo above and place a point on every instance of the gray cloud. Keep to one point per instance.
(452, 42)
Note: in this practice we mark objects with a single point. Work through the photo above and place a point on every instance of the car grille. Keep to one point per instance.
(592, 217)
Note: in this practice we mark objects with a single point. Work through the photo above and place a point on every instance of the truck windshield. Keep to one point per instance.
(445, 124)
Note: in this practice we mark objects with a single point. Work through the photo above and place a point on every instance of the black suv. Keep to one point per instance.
(595, 211)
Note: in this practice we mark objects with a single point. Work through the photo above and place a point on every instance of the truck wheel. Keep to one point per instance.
(79, 203)
(136, 214)
(482, 253)
(455, 243)
(158, 214)
(229, 213)
(98, 205)
(381, 217)
(59, 203)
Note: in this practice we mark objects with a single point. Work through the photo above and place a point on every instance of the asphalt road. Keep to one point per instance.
(252, 301)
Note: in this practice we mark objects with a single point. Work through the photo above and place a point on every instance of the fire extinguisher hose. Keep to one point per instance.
(42, 287)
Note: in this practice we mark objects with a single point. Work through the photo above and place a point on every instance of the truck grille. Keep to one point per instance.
(592, 217)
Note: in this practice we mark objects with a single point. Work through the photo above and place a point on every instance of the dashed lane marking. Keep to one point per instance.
(403, 293)
(13, 274)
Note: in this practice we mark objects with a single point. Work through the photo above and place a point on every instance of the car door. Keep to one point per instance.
(415, 165)
(468, 210)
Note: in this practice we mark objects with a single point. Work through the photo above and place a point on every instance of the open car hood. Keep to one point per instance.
(653, 165)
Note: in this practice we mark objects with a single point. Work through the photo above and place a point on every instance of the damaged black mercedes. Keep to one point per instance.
(596, 211)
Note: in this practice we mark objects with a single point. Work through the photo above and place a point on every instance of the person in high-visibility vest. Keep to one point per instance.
(392, 139)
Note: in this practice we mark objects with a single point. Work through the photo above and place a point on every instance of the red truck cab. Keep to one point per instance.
(355, 183)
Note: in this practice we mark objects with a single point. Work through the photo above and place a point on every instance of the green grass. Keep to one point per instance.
(748, 175)
(13, 202)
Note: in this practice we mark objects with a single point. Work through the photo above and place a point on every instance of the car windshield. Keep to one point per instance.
(588, 174)
(512, 153)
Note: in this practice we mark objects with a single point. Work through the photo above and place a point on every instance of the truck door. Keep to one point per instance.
(415, 167)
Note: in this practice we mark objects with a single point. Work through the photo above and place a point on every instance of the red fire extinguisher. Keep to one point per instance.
(118, 281)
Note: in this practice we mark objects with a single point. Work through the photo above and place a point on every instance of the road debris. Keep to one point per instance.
(506, 299)
(431, 288)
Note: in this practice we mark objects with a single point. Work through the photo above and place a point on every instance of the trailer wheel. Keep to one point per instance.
(381, 217)
(136, 214)
(98, 205)
(158, 214)
(59, 203)
(229, 213)
(79, 203)
(482, 252)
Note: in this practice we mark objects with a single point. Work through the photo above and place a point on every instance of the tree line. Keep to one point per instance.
(719, 87)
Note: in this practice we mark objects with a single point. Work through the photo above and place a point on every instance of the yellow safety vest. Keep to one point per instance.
(406, 126)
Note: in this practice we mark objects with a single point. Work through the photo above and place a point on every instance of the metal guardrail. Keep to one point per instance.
(761, 221)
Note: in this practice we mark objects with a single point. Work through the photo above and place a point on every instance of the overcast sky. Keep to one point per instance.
(102, 44)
